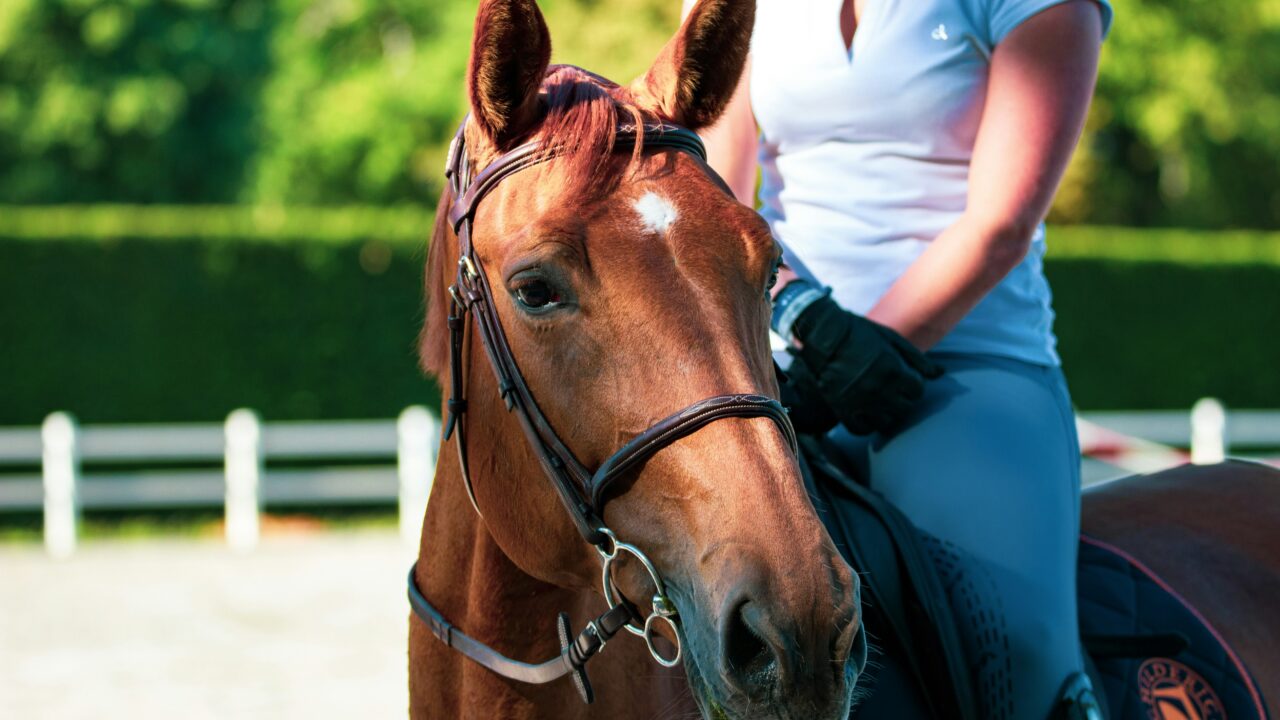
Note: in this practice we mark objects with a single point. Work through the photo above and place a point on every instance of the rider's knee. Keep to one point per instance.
(1039, 658)
(1034, 645)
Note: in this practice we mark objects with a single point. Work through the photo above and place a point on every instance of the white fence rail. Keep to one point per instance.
(375, 462)
(393, 461)
(1152, 440)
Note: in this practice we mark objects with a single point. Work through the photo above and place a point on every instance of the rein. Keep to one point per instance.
(582, 492)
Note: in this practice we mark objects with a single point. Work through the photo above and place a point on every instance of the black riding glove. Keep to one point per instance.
(869, 375)
(800, 394)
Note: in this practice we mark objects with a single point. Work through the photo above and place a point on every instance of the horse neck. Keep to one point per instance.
(464, 571)
(471, 581)
(461, 568)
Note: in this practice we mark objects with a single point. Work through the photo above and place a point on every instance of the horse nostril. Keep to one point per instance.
(748, 660)
(855, 658)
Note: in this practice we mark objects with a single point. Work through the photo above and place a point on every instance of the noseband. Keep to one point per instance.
(582, 492)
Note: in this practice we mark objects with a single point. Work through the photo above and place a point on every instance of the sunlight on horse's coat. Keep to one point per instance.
(657, 214)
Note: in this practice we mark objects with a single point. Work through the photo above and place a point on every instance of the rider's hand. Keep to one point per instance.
(869, 375)
(800, 394)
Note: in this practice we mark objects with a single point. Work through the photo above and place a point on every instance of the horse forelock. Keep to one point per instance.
(579, 113)
(583, 111)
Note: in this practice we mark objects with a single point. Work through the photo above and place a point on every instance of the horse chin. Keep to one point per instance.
(726, 703)
(743, 708)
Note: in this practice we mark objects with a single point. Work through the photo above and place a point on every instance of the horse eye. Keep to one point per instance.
(537, 295)
(773, 277)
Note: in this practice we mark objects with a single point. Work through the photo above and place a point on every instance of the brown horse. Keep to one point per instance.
(628, 285)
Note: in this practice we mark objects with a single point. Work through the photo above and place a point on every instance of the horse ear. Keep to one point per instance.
(695, 75)
(509, 57)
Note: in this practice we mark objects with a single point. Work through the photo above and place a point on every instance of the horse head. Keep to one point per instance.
(629, 285)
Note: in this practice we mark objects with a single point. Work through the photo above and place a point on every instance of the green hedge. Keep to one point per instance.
(1152, 319)
(167, 314)
(131, 314)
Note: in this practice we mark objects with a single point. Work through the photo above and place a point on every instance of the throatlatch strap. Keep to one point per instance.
(573, 655)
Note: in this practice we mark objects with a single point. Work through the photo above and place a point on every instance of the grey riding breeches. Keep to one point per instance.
(988, 465)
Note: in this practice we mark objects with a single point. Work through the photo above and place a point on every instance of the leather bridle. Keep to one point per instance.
(582, 492)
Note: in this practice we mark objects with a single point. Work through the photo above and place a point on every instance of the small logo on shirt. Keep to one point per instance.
(939, 33)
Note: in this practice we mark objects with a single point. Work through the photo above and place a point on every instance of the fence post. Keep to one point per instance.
(416, 429)
(61, 470)
(243, 477)
(1208, 432)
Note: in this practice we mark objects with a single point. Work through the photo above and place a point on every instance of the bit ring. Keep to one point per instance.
(663, 608)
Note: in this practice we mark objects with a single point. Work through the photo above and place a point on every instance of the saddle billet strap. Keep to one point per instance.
(680, 424)
(572, 658)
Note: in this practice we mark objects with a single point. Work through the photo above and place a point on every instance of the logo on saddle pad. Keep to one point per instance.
(1173, 691)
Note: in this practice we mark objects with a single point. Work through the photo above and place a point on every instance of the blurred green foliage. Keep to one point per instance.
(1152, 334)
(362, 100)
(366, 95)
(132, 314)
(1185, 126)
(140, 101)
(353, 101)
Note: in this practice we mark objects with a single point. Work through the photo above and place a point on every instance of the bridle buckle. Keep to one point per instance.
(468, 268)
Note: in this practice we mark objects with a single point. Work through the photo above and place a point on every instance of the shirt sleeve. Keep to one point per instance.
(1005, 15)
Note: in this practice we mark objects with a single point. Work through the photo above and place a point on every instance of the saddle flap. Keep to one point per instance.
(1201, 678)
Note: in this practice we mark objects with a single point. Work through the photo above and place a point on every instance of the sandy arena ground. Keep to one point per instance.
(304, 627)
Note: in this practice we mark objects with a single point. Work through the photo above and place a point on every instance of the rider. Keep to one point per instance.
(909, 153)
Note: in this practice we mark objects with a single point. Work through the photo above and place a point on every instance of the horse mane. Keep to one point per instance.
(581, 113)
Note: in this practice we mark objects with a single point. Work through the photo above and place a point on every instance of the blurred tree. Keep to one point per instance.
(1185, 127)
(367, 93)
(340, 101)
(137, 100)
(363, 100)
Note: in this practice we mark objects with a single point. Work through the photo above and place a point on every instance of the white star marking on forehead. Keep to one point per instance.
(657, 214)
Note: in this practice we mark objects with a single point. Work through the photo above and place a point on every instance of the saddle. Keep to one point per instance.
(1150, 654)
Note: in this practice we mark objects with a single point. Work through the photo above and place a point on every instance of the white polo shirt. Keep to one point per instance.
(865, 153)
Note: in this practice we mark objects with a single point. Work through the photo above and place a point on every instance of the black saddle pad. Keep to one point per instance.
(1119, 596)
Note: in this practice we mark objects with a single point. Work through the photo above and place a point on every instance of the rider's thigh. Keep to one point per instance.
(989, 466)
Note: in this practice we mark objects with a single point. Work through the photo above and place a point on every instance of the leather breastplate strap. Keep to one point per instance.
(582, 492)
